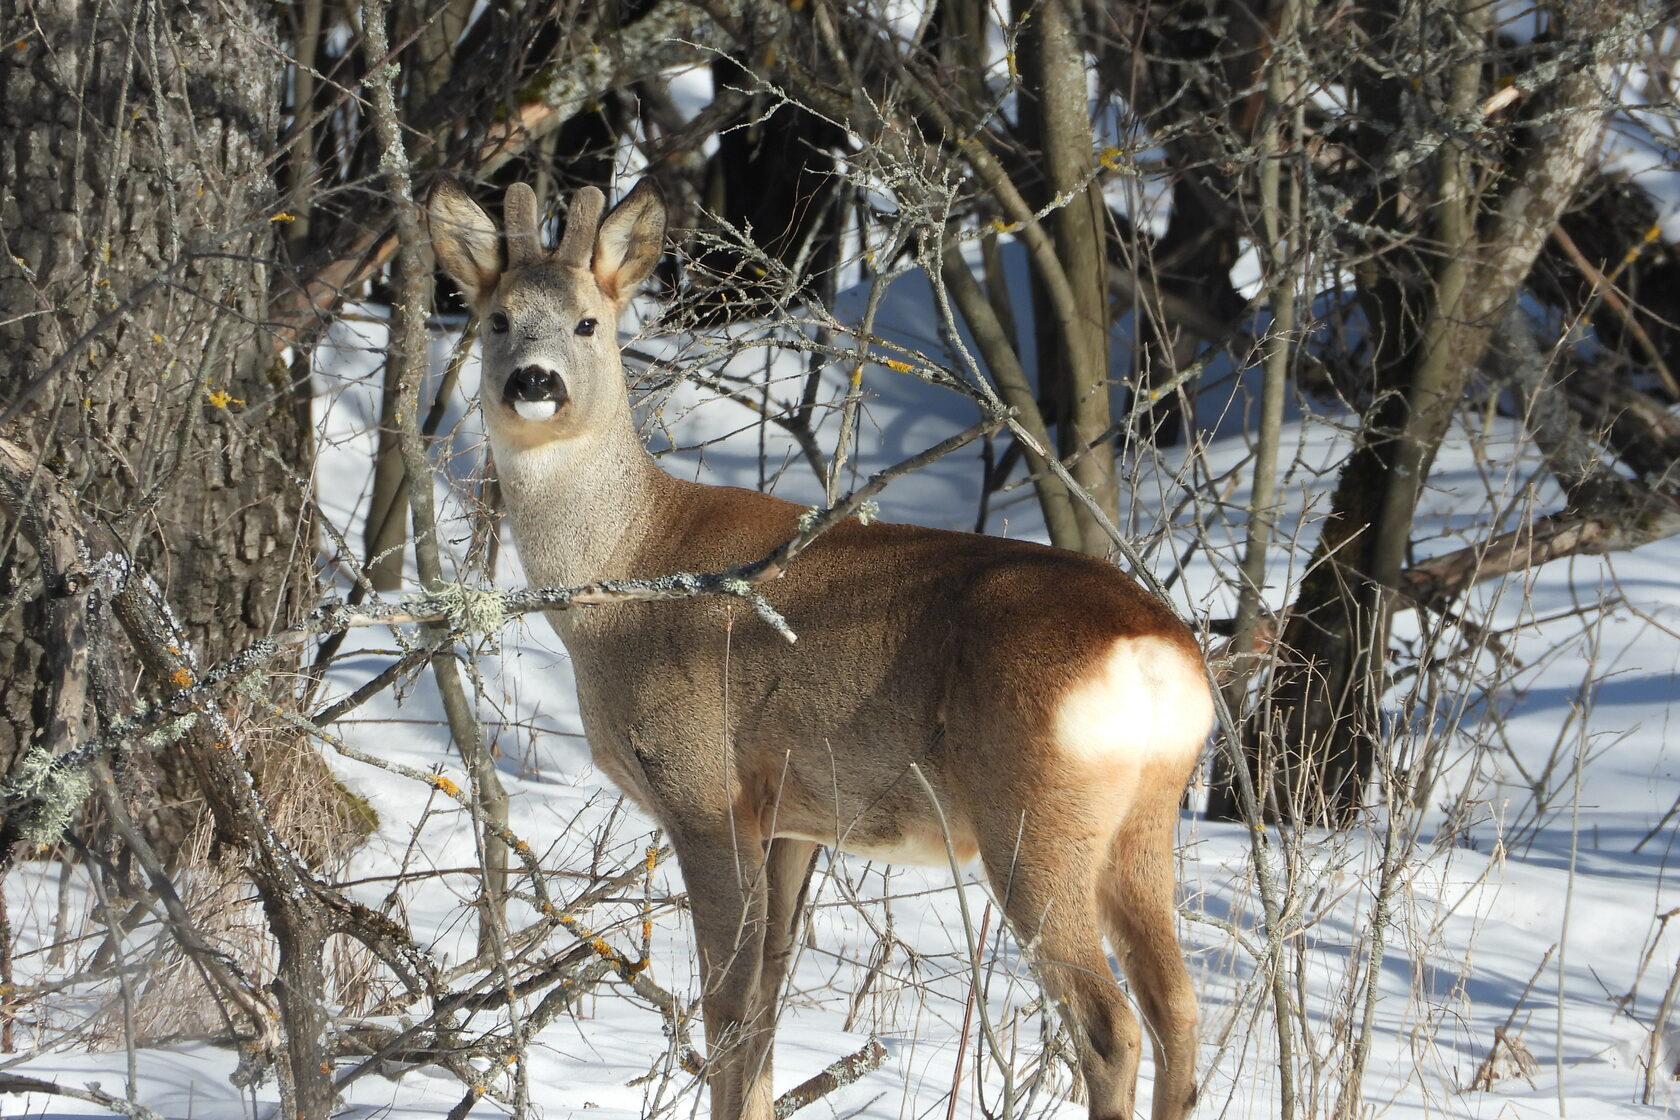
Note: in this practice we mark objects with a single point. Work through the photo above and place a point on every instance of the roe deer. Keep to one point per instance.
(1055, 709)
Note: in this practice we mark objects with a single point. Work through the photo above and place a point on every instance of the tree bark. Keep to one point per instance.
(135, 244)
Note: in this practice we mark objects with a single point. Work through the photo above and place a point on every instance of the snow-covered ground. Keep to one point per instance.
(1526, 898)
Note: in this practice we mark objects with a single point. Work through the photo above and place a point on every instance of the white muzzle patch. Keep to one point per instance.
(536, 410)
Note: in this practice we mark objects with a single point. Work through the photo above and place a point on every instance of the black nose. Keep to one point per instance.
(534, 383)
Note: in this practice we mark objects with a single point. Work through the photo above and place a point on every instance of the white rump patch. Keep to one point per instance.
(536, 410)
(1148, 701)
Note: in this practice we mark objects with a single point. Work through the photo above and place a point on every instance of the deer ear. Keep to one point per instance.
(464, 239)
(630, 241)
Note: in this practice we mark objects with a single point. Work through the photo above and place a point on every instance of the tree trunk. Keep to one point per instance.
(1318, 746)
(1073, 350)
(135, 241)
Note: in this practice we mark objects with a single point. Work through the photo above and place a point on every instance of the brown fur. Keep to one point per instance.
(954, 652)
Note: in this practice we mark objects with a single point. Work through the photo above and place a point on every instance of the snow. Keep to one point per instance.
(1525, 894)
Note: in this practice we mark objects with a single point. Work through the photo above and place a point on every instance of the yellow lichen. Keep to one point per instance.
(445, 785)
(898, 366)
(221, 398)
(180, 678)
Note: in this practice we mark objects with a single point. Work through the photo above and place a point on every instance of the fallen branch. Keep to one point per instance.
(1570, 533)
(93, 1094)
(838, 1075)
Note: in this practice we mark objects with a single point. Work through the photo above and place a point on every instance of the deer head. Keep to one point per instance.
(551, 369)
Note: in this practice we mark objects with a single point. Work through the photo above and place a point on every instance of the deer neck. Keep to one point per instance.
(581, 508)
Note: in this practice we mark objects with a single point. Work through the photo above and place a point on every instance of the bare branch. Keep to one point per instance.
(17, 1083)
(860, 1063)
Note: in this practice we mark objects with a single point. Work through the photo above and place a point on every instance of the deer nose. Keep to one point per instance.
(534, 383)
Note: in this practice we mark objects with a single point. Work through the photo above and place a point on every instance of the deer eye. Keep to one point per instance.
(498, 322)
(586, 327)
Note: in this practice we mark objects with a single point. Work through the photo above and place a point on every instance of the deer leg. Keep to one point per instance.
(725, 879)
(787, 872)
(1047, 885)
(1137, 900)
(788, 867)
